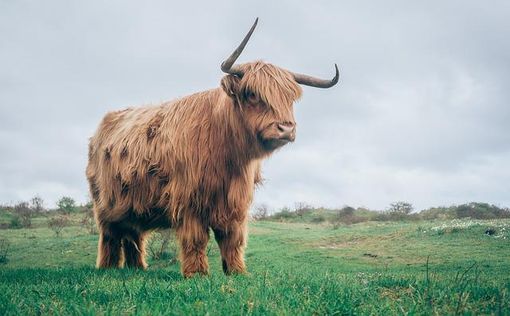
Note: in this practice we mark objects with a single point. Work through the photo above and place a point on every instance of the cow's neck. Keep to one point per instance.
(240, 147)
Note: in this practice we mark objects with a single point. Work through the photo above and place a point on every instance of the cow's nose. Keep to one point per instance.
(287, 131)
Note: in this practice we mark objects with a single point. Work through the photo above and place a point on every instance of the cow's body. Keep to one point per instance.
(163, 166)
(191, 164)
(156, 157)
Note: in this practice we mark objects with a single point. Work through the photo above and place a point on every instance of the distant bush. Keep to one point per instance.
(346, 216)
(475, 210)
(24, 214)
(397, 211)
(306, 213)
(401, 207)
(88, 220)
(439, 212)
(400, 210)
(261, 212)
(37, 204)
(15, 222)
(481, 211)
(301, 212)
(58, 223)
(4, 250)
(284, 214)
(318, 219)
(302, 208)
(66, 205)
(345, 212)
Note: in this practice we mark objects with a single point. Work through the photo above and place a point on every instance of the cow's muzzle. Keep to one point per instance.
(286, 132)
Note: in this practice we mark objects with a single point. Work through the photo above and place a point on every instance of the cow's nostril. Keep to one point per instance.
(285, 128)
(287, 131)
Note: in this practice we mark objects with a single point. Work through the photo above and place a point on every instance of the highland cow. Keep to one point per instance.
(191, 165)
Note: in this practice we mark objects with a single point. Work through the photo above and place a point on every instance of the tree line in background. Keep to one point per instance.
(23, 212)
(397, 211)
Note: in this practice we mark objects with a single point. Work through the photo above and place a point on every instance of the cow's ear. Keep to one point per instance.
(230, 84)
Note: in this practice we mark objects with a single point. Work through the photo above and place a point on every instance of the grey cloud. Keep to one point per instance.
(421, 112)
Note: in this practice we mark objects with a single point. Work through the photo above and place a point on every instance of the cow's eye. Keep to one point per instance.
(252, 97)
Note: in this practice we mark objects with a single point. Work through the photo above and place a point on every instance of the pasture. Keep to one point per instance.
(419, 267)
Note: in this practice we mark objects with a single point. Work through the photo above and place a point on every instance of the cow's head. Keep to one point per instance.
(265, 95)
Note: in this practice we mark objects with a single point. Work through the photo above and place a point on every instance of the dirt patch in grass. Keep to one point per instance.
(252, 230)
(339, 245)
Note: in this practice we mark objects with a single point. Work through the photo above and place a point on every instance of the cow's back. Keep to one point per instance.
(119, 167)
(145, 158)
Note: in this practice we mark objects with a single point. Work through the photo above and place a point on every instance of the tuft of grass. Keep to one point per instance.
(4, 250)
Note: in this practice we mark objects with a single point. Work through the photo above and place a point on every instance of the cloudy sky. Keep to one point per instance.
(422, 112)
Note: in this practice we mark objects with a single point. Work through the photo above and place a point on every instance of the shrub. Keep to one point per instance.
(480, 211)
(15, 222)
(346, 216)
(475, 210)
(24, 213)
(284, 214)
(89, 206)
(88, 220)
(66, 205)
(37, 204)
(400, 208)
(162, 245)
(397, 211)
(58, 223)
(318, 219)
(439, 212)
(261, 212)
(346, 212)
(301, 208)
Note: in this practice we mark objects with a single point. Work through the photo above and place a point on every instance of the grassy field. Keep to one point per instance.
(441, 267)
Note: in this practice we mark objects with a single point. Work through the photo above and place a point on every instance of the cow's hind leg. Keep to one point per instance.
(193, 237)
(232, 242)
(134, 250)
(109, 249)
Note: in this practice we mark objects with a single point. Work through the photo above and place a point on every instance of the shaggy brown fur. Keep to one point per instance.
(190, 164)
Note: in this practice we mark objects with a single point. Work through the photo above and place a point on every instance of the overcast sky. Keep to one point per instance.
(421, 114)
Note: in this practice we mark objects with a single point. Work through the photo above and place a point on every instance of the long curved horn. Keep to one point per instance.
(228, 65)
(316, 82)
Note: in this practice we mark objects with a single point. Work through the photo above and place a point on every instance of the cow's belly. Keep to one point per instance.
(156, 218)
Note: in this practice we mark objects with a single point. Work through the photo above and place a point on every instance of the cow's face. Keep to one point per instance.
(265, 96)
(272, 129)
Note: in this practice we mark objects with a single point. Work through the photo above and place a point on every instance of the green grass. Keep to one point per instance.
(294, 268)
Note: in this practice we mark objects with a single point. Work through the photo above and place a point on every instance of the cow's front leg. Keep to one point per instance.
(232, 242)
(193, 237)
(109, 253)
